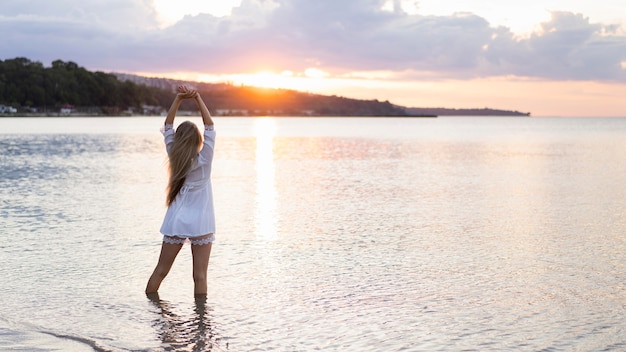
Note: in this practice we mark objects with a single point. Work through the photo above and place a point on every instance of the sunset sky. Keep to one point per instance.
(549, 57)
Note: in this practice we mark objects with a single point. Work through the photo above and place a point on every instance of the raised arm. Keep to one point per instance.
(204, 111)
(171, 114)
(182, 94)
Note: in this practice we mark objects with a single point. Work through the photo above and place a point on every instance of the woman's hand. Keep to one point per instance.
(186, 93)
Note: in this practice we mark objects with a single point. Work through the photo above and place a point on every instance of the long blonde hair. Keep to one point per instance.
(182, 157)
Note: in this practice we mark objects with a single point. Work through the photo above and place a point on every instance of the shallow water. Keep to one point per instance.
(333, 234)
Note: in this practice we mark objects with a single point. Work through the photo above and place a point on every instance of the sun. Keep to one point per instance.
(310, 80)
(265, 79)
(286, 79)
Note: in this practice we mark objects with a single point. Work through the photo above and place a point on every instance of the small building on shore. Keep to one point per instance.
(67, 109)
(5, 109)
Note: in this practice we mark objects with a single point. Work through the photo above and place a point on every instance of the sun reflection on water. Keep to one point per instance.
(265, 219)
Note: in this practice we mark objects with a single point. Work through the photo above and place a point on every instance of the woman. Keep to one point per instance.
(190, 215)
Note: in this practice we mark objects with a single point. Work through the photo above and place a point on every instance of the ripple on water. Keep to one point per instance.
(441, 239)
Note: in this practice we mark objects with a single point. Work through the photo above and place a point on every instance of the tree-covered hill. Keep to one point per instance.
(28, 85)
(464, 112)
(31, 88)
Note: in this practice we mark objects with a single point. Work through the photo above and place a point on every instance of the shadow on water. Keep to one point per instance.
(181, 333)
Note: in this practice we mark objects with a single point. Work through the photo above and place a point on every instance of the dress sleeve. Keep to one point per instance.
(209, 136)
(209, 143)
(168, 134)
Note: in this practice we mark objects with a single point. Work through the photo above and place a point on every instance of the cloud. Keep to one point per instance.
(567, 47)
(336, 36)
(120, 14)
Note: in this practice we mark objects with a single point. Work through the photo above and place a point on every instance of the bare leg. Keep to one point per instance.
(166, 259)
(200, 254)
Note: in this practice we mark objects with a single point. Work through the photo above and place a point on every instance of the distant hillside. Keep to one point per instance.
(64, 88)
(237, 100)
(228, 99)
(29, 88)
(464, 112)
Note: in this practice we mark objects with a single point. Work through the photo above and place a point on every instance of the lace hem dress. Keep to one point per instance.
(191, 214)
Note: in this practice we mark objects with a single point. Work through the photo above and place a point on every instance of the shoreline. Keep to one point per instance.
(48, 115)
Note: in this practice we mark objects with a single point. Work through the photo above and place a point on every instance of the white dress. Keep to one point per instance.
(192, 214)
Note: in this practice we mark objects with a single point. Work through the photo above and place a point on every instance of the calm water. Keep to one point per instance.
(333, 234)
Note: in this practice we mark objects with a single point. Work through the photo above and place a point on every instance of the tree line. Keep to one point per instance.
(29, 85)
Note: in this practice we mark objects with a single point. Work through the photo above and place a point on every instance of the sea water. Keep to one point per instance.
(347, 234)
